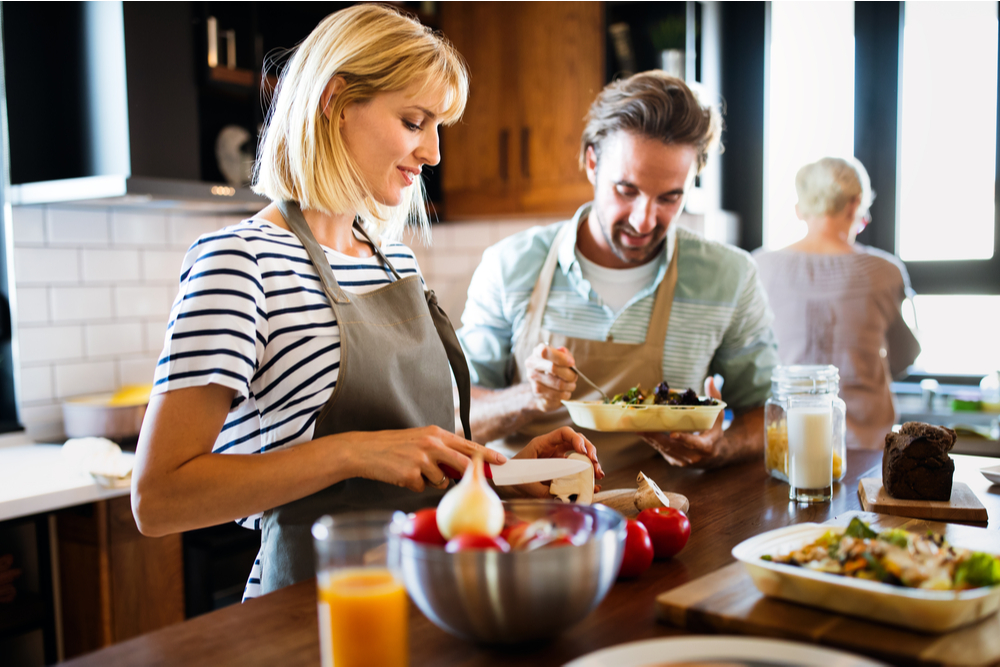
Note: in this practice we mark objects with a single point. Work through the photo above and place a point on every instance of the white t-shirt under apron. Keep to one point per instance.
(251, 315)
(616, 287)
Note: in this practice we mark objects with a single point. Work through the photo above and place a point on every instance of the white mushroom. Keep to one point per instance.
(649, 495)
(578, 488)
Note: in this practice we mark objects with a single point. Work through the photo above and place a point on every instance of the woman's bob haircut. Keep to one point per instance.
(827, 186)
(375, 49)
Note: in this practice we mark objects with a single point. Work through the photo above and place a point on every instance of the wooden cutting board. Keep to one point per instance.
(963, 505)
(726, 601)
(622, 500)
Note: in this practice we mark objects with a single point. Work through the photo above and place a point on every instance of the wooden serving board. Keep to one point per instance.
(963, 505)
(726, 601)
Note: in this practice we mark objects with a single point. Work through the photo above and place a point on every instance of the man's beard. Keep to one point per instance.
(629, 254)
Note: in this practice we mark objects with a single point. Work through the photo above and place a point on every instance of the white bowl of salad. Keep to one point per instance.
(911, 579)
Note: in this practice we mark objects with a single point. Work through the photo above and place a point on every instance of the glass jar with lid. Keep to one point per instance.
(821, 382)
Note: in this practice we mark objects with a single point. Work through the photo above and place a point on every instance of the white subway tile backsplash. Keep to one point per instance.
(143, 301)
(110, 265)
(183, 230)
(32, 305)
(94, 377)
(47, 344)
(29, 224)
(115, 339)
(81, 303)
(46, 265)
(156, 332)
(36, 384)
(77, 227)
(137, 371)
(162, 265)
(138, 228)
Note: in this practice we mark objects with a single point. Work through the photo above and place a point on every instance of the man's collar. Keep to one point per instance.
(567, 251)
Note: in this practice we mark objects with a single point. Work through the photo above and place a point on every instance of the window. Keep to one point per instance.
(948, 134)
(810, 103)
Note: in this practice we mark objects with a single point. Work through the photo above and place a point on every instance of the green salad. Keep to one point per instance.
(896, 557)
(662, 394)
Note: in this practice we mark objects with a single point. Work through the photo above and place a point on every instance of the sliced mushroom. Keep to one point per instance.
(578, 488)
(649, 495)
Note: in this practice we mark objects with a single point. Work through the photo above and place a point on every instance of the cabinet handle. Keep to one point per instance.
(504, 154)
(525, 155)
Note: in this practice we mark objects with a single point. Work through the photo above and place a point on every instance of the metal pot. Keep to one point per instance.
(92, 416)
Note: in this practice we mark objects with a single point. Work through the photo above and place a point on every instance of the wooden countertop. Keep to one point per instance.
(727, 506)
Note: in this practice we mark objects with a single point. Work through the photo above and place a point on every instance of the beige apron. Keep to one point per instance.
(396, 345)
(615, 367)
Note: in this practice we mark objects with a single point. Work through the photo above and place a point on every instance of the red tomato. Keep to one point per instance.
(668, 528)
(469, 541)
(421, 526)
(638, 551)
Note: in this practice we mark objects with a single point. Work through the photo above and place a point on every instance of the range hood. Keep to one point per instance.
(102, 108)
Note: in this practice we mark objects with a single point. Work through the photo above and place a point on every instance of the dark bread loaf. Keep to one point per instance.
(915, 463)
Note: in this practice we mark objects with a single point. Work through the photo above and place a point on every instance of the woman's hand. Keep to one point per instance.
(412, 458)
(555, 445)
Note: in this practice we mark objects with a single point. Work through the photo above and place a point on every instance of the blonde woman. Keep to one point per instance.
(306, 370)
(838, 302)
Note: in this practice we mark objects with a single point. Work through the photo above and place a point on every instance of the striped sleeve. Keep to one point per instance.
(218, 326)
(749, 351)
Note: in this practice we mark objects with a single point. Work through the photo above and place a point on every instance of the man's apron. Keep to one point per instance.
(615, 367)
(396, 345)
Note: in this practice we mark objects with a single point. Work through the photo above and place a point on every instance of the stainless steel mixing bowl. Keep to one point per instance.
(495, 597)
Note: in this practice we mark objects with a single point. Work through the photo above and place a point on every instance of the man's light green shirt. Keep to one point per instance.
(720, 321)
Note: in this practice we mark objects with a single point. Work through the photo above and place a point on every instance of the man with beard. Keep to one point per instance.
(624, 294)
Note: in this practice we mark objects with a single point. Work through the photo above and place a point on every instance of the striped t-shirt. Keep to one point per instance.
(251, 315)
(720, 322)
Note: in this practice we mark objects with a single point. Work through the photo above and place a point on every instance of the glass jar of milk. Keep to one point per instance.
(804, 429)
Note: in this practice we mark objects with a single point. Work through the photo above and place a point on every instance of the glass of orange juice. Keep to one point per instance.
(362, 602)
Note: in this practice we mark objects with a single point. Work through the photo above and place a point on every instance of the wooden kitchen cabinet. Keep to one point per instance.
(114, 582)
(535, 68)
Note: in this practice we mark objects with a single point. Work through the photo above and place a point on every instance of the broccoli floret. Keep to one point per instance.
(978, 570)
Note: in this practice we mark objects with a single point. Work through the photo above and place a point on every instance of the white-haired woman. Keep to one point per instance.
(838, 302)
(306, 370)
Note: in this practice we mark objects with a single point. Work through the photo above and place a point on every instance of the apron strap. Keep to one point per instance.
(292, 214)
(456, 359)
(659, 319)
(378, 251)
(540, 294)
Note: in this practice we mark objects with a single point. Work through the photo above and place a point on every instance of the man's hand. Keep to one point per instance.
(550, 377)
(693, 449)
(554, 445)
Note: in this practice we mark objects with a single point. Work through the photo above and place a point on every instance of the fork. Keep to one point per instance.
(590, 382)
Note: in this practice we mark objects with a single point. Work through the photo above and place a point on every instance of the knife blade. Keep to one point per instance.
(525, 471)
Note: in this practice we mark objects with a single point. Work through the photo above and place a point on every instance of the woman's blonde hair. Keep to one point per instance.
(827, 186)
(375, 49)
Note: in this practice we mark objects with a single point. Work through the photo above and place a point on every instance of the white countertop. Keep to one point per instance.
(35, 479)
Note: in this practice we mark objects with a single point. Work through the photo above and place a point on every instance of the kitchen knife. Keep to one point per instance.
(524, 471)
